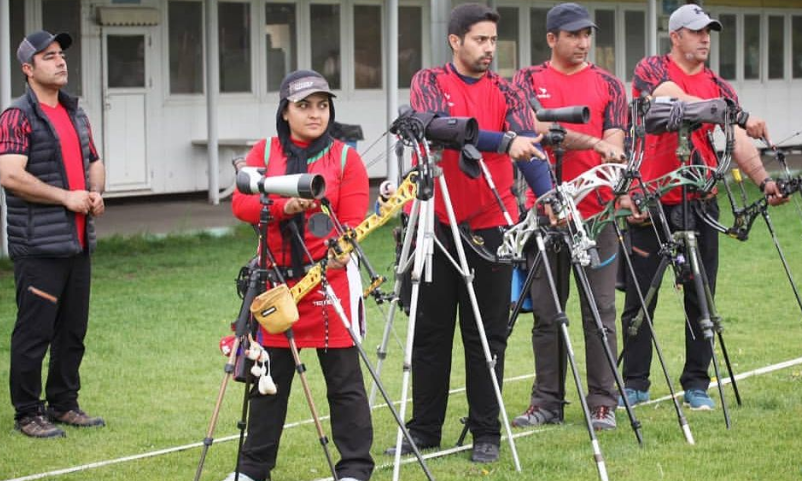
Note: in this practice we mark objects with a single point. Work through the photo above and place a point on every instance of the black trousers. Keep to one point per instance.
(52, 312)
(351, 425)
(548, 390)
(645, 260)
(438, 305)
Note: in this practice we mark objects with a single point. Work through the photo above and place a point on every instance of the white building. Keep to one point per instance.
(138, 66)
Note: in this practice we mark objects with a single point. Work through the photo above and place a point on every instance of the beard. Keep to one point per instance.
(480, 67)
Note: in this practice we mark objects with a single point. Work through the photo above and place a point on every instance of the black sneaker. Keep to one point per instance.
(406, 448)
(75, 417)
(38, 426)
(484, 453)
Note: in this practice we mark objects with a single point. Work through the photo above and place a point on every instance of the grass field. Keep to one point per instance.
(153, 370)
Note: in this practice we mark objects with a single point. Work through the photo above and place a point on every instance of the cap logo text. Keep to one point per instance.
(301, 85)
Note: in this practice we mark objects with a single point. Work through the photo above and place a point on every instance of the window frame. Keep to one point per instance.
(791, 15)
(618, 39)
(621, 41)
(168, 95)
(523, 26)
(256, 46)
(425, 28)
(300, 41)
(349, 58)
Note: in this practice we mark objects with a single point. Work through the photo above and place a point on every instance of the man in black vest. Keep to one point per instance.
(53, 180)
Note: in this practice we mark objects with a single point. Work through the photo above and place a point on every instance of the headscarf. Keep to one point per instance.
(297, 157)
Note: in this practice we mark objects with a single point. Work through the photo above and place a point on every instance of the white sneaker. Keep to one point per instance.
(348, 479)
(241, 477)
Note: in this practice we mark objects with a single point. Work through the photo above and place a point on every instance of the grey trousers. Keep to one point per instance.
(548, 390)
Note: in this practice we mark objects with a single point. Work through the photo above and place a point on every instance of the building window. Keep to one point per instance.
(282, 43)
(635, 45)
(751, 39)
(410, 44)
(17, 24)
(727, 46)
(126, 56)
(325, 40)
(235, 46)
(185, 24)
(776, 47)
(507, 46)
(539, 48)
(367, 47)
(65, 16)
(605, 40)
(796, 46)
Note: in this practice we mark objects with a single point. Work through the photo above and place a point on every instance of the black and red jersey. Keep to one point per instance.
(497, 107)
(593, 87)
(347, 191)
(15, 130)
(660, 156)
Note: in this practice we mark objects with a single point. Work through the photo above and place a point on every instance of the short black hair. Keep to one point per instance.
(463, 17)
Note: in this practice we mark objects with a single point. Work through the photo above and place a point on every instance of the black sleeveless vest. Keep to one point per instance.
(43, 230)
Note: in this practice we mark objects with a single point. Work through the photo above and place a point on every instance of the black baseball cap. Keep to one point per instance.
(301, 84)
(569, 17)
(38, 41)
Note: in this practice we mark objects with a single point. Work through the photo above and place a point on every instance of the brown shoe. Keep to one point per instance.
(38, 426)
(75, 417)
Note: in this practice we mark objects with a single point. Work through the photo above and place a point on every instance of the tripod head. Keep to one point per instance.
(438, 131)
(557, 133)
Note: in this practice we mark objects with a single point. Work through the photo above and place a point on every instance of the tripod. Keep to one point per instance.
(422, 215)
(245, 326)
(681, 250)
(583, 250)
(638, 109)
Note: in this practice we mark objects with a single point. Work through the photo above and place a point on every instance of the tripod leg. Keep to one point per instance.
(582, 278)
(401, 267)
(683, 421)
(301, 370)
(717, 325)
(468, 277)
(563, 322)
(209, 439)
(241, 329)
(530, 276)
(344, 318)
(381, 350)
(787, 268)
(242, 424)
(705, 324)
(654, 287)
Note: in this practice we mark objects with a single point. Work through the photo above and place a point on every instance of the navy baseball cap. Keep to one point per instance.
(569, 17)
(38, 41)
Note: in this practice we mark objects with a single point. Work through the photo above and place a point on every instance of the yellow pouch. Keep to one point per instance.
(275, 310)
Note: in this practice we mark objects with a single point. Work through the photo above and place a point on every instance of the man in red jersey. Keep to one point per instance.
(569, 79)
(54, 181)
(466, 87)
(682, 74)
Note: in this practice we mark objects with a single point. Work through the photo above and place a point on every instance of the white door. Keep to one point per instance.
(126, 85)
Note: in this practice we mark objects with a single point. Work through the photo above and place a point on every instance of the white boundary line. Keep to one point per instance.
(99, 464)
